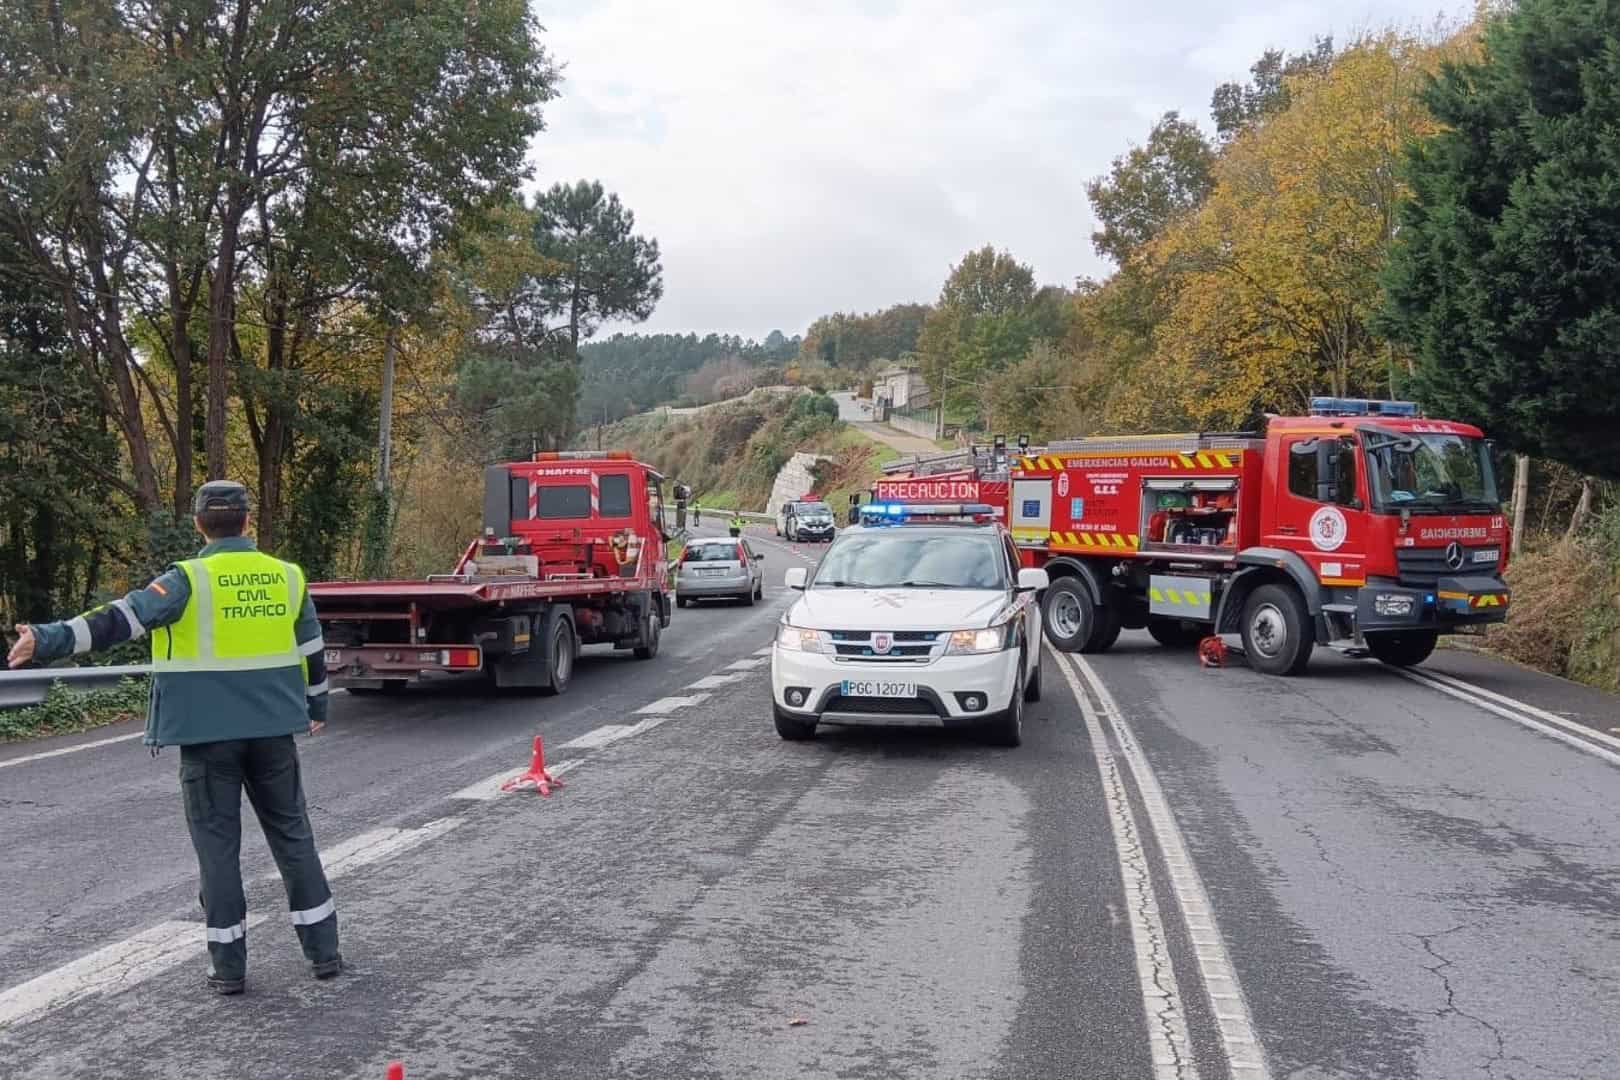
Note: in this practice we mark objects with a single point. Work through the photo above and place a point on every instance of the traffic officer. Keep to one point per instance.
(697, 512)
(736, 526)
(238, 669)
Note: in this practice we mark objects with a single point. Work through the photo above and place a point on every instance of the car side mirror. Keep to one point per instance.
(1033, 579)
(760, 555)
(796, 577)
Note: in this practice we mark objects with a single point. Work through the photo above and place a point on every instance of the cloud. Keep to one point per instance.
(798, 158)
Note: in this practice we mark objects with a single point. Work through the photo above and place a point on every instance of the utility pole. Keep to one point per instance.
(385, 424)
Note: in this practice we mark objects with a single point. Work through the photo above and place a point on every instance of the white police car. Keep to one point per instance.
(920, 616)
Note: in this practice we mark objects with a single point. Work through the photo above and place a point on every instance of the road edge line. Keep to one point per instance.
(1524, 720)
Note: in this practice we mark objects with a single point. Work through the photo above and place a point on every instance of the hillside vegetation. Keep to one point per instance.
(729, 455)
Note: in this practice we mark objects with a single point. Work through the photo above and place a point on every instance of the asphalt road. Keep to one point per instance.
(1365, 874)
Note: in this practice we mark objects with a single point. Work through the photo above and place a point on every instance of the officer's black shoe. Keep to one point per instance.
(329, 969)
(225, 987)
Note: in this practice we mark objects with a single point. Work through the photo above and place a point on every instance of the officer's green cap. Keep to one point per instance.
(220, 495)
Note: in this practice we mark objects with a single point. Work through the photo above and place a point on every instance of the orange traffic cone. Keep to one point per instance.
(537, 777)
(396, 1070)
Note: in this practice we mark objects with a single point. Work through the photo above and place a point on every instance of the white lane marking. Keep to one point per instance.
(59, 751)
(127, 963)
(379, 844)
(709, 682)
(597, 737)
(1244, 1053)
(749, 663)
(1539, 720)
(1168, 1042)
(489, 788)
(670, 704)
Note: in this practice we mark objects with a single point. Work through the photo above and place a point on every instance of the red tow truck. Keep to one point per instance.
(1363, 527)
(572, 553)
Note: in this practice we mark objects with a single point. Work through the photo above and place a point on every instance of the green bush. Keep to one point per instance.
(64, 711)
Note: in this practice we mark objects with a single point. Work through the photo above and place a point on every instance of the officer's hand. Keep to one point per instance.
(23, 651)
(316, 725)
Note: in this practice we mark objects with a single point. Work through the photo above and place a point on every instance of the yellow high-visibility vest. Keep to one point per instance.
(242, 616)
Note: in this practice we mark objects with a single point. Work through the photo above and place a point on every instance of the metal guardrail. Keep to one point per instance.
(19, 689)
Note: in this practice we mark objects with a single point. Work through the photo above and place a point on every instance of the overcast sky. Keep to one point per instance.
(794, 159)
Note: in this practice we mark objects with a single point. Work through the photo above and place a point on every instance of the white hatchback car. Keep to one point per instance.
(924, 624)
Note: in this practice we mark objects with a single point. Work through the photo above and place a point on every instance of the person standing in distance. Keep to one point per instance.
(238, 670)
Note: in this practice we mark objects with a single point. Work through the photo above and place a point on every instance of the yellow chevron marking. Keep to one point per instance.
(1187, 462)
(1205, 460)
(1136, 541)
(1157, 595)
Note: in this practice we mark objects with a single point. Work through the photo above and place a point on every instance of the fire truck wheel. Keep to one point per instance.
(1106, 630)
(1176, 633)
(649, 634)
(1403, 648)
(1069, 614)
(559, 657)
(1277, 630)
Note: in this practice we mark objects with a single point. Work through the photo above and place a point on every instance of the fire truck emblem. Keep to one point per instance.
(1328, 529)
(882, 643)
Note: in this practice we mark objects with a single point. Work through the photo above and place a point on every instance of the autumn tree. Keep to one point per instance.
(1237, 107)
(1274, 280)
(1505, 279)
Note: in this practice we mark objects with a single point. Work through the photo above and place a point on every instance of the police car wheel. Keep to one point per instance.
(1007, 729)
(1032, 689)
(1402, 648)
(792, 728)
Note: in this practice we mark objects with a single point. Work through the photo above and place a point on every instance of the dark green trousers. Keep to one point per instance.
(212, 779)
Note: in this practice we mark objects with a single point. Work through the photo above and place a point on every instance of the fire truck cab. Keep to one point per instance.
(1363, 527)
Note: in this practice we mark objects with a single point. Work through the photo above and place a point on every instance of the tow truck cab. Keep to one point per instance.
(571, 552)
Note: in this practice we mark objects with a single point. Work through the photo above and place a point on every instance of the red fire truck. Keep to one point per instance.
(1363, 527)
(572, 554)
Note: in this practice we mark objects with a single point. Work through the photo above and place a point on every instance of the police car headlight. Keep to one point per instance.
(798, 639)
(976, 642)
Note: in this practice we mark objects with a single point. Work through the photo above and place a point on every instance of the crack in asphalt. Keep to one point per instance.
(1133, 858)
(1452, 1008)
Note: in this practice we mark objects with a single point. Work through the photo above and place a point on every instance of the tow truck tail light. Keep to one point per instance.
(459, 658)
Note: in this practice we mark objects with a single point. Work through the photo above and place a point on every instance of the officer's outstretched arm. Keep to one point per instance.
(128, 619)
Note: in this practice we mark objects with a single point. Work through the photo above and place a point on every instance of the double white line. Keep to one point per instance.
(1162, 993)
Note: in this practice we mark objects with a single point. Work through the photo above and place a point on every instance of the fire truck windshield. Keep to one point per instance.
(1431, 473)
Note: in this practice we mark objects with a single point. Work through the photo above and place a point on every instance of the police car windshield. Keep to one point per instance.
(815, 509)
(901, 558)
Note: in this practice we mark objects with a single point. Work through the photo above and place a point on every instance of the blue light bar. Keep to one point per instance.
(1337, 406)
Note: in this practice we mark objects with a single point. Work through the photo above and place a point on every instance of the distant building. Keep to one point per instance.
(896, 387)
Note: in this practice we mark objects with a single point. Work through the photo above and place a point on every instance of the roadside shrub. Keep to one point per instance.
(64, 711)
(1554, 589)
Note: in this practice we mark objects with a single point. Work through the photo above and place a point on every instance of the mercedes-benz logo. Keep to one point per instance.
(1454, 555)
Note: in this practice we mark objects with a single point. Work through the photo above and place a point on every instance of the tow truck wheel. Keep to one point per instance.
(1402, 648)
(1277, 634)
(1176, 633)
(649, 634)
(1069, 615)
(559, 658)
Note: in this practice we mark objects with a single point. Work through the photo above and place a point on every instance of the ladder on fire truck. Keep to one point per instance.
(1190, 442)
(986, 462)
